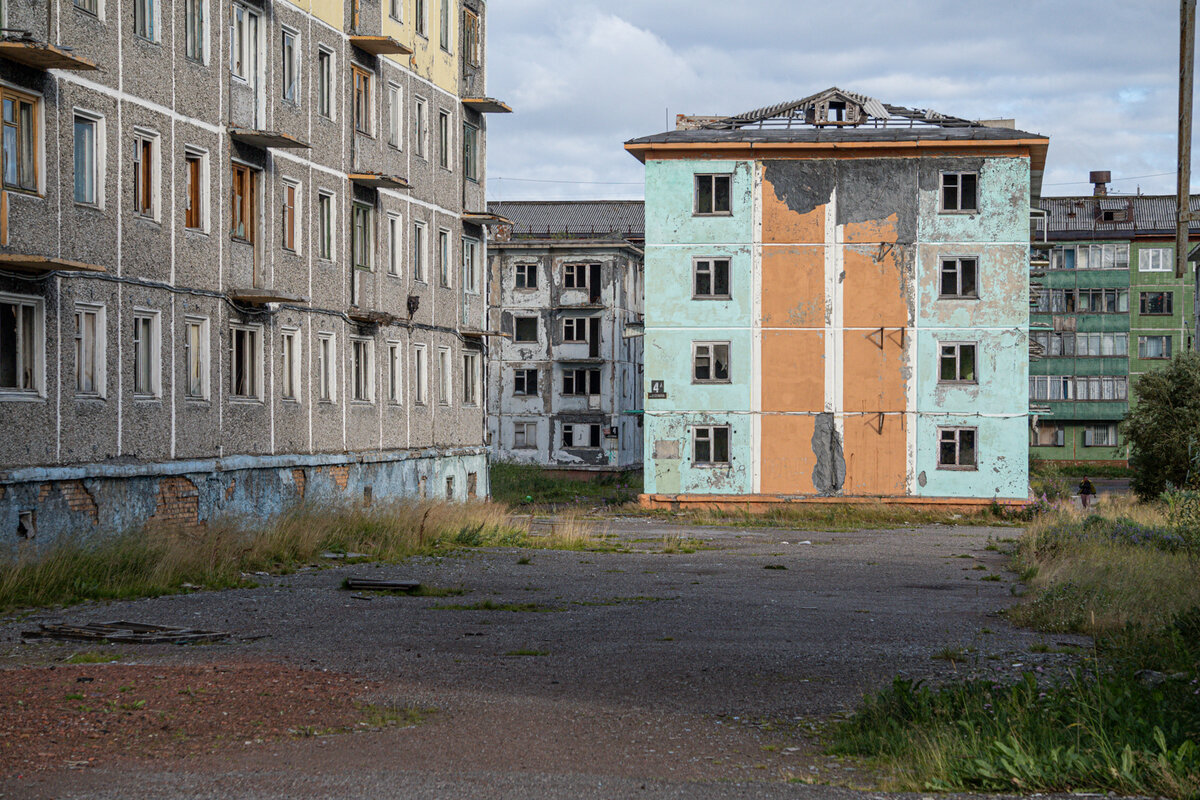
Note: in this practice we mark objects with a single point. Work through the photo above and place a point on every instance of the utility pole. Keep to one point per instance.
(1187, 62)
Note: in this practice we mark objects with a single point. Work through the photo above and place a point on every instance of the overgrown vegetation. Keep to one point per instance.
(1163, 427)
(1039, 468)
(1126, 719)
(839, 517)
(525, 484)
(222, 554)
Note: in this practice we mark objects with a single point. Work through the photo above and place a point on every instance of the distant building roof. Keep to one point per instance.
(1113, 216)
(585, 219)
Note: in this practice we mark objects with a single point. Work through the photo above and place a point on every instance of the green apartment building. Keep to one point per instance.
(1105, 307)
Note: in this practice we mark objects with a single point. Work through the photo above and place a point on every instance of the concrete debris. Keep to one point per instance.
(126, 632)
(374, 585)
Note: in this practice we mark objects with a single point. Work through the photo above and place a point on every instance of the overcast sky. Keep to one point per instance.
(1099, 77)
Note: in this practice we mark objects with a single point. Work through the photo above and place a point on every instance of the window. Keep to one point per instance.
(362, 242)
(1101, 344)
(195, 358)
(1154, 346)
(524, 435)
(1094, 256)
(444, 274)
(193, 29)
(89, 350)
(289, 352)
(395, 116)
(243, 46)
(145, 19)
(325, 83)
(147, 361)
(420, 17)
(710, 362)
(22, 333)
(470, 265)
(362, 357)
(445, 376)
(575, 276)
(395, 244)
(245, 362)
(87, 5)
(290, 79)
(1103, 301)
(1055, 344)
(445, 29)
(581, 382)
(471, 152)
(395, 373)
(957, 363)
(1102, 435)
(145, 174)
(1051, 387)
(421, 373)
(1156, 259)
(362, 100)
(86, 166)
(1157, 303)
(575, 329)
(244, 203)
(419, 124)
(525, 329)
(956, 448)
(291, 198)
(1101, 387)
(470, 379)
(396, 10)
(960, 191)
(525, 276)
(20, 140)
(1048, 435)
(418, 257)
(472, 41)
(712, 194)
(443, 140)
(960, 277)
(710, 444)
(325, 226)
(525, 382)
(577, 435)
(195, 214)
(710, 278)
(326, 368)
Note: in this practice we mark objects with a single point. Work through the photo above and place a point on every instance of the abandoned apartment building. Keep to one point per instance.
(566, 291)
(241, 258)
(837, 305)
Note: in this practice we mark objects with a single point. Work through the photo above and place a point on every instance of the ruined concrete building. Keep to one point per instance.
(837, 305)
(566, 290)
(241, 257)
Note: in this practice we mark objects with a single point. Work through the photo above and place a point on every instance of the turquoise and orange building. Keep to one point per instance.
(837, 306)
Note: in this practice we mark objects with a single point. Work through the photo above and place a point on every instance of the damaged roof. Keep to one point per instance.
(1118, 217)
(618, 219)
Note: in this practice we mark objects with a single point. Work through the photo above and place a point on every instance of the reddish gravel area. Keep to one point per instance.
(86, 715)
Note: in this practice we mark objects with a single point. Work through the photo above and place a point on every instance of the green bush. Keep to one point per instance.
(1163, 427)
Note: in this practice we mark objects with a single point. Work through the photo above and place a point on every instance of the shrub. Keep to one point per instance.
(1163, 427)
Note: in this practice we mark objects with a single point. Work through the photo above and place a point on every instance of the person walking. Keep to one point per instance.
(1086, 491)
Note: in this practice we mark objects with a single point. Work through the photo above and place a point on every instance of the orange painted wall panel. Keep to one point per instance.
(793, 287)
(787, 455)
(874, 376)
(875, 461)
(872, 230)
(793, 370)
(782, 225)
(874, 291)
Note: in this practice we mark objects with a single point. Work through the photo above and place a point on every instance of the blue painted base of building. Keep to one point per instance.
(43, 506)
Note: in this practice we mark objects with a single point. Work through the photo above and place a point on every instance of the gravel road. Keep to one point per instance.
(592, 675)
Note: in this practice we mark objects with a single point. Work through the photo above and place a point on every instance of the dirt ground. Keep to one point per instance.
(552, 674)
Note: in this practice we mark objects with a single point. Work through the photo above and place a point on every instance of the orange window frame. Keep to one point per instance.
(362, 100)
(244, 203)
(193, 218)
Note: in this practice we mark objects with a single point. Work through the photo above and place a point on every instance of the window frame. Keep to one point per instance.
(420, 374)
(471, 152)
(27, 152)
(291, 355)
(957, 431)
(957, 264)
(581, 381)
(395, 376)
(956, 358)
(1058, 429)
(522, 274)
(195, 31)
(95, 349)
(445, 257)
(420, 247)
(326, 69)
(362, 109)
(1168, 299)
(574, 330)
(289, 57)
(472, 38)
(1165, 256)
(712, 355)
(521, 387)
(525, 426)
(537, 329)
(98, 151)
(446, 28)
(292, 215)
(445, 141)
(395, 245)
(959, 206)
(713, 211)
(326, 226)
(245, 52)
(471, 248)
(421, 18)
(569, 431)
(708, 434)
(90, 7)
(254, 352)
(362, 238)
(420, 127)
(244, 207)
(146, 20)
(327, 382)
(147, 174)
(1167, 342)
(147, 323)
(36, 350)
(470, 379)
(202, 359)
(196, 196)
(709, 265)
(445, 377)
(395, 116)
(362, 369)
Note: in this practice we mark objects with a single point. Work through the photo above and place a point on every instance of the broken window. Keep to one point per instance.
(1048, 435)
(245, 362)
(243, 48)
(1154, 346)
(710, 444)
(580, 382)
(1156, 259)
(524, 435)
(89, 350)
(710, 362)
(362, 364)
(362, 100)
(710, 278)
(195, 358)
(575, 329)
(471, 38)
(957, 363)
(525, 329)
(1157, 303)
(20, 140)
(290, 53)
(581, 435)
(1101, 435)
(146, 359)
(289, 350)
(712, 194)
(956, 448)
(960, 277)
(525, 382)
(326, 366)
(960, 191)
(525, 276)
(244, 203)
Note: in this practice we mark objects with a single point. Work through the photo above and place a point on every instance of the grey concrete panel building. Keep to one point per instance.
(242, 251)
(565, 383)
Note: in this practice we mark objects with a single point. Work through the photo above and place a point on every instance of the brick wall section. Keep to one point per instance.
(341, 476)
(301, 481)
(230, 488)
(79, 499)
(178, 503)
(44, 492)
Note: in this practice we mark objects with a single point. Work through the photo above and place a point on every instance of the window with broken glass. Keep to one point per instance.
(960, 192)
(525, 276)
(524, 435)
(956, 448)
(575, 329)
(957, 362)
(525, 382)
(525, 329)
(712, 194)
(580, 382)
(710, 445)
(960, 277)
(576, 435)
(710, 279)
(710, 362)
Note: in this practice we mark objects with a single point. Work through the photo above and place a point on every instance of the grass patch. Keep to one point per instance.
(619, 601)
(525, 484)
(774, 566)
(527, 653)
(388, 715)
(830, 517)
(93, 657)
(159, 560)
(492, 605)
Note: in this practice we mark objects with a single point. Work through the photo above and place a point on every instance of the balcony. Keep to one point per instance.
(264, 139)
(381, 46)
(486, 105)
(40, 265)
(259, 296)
(43, 56)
